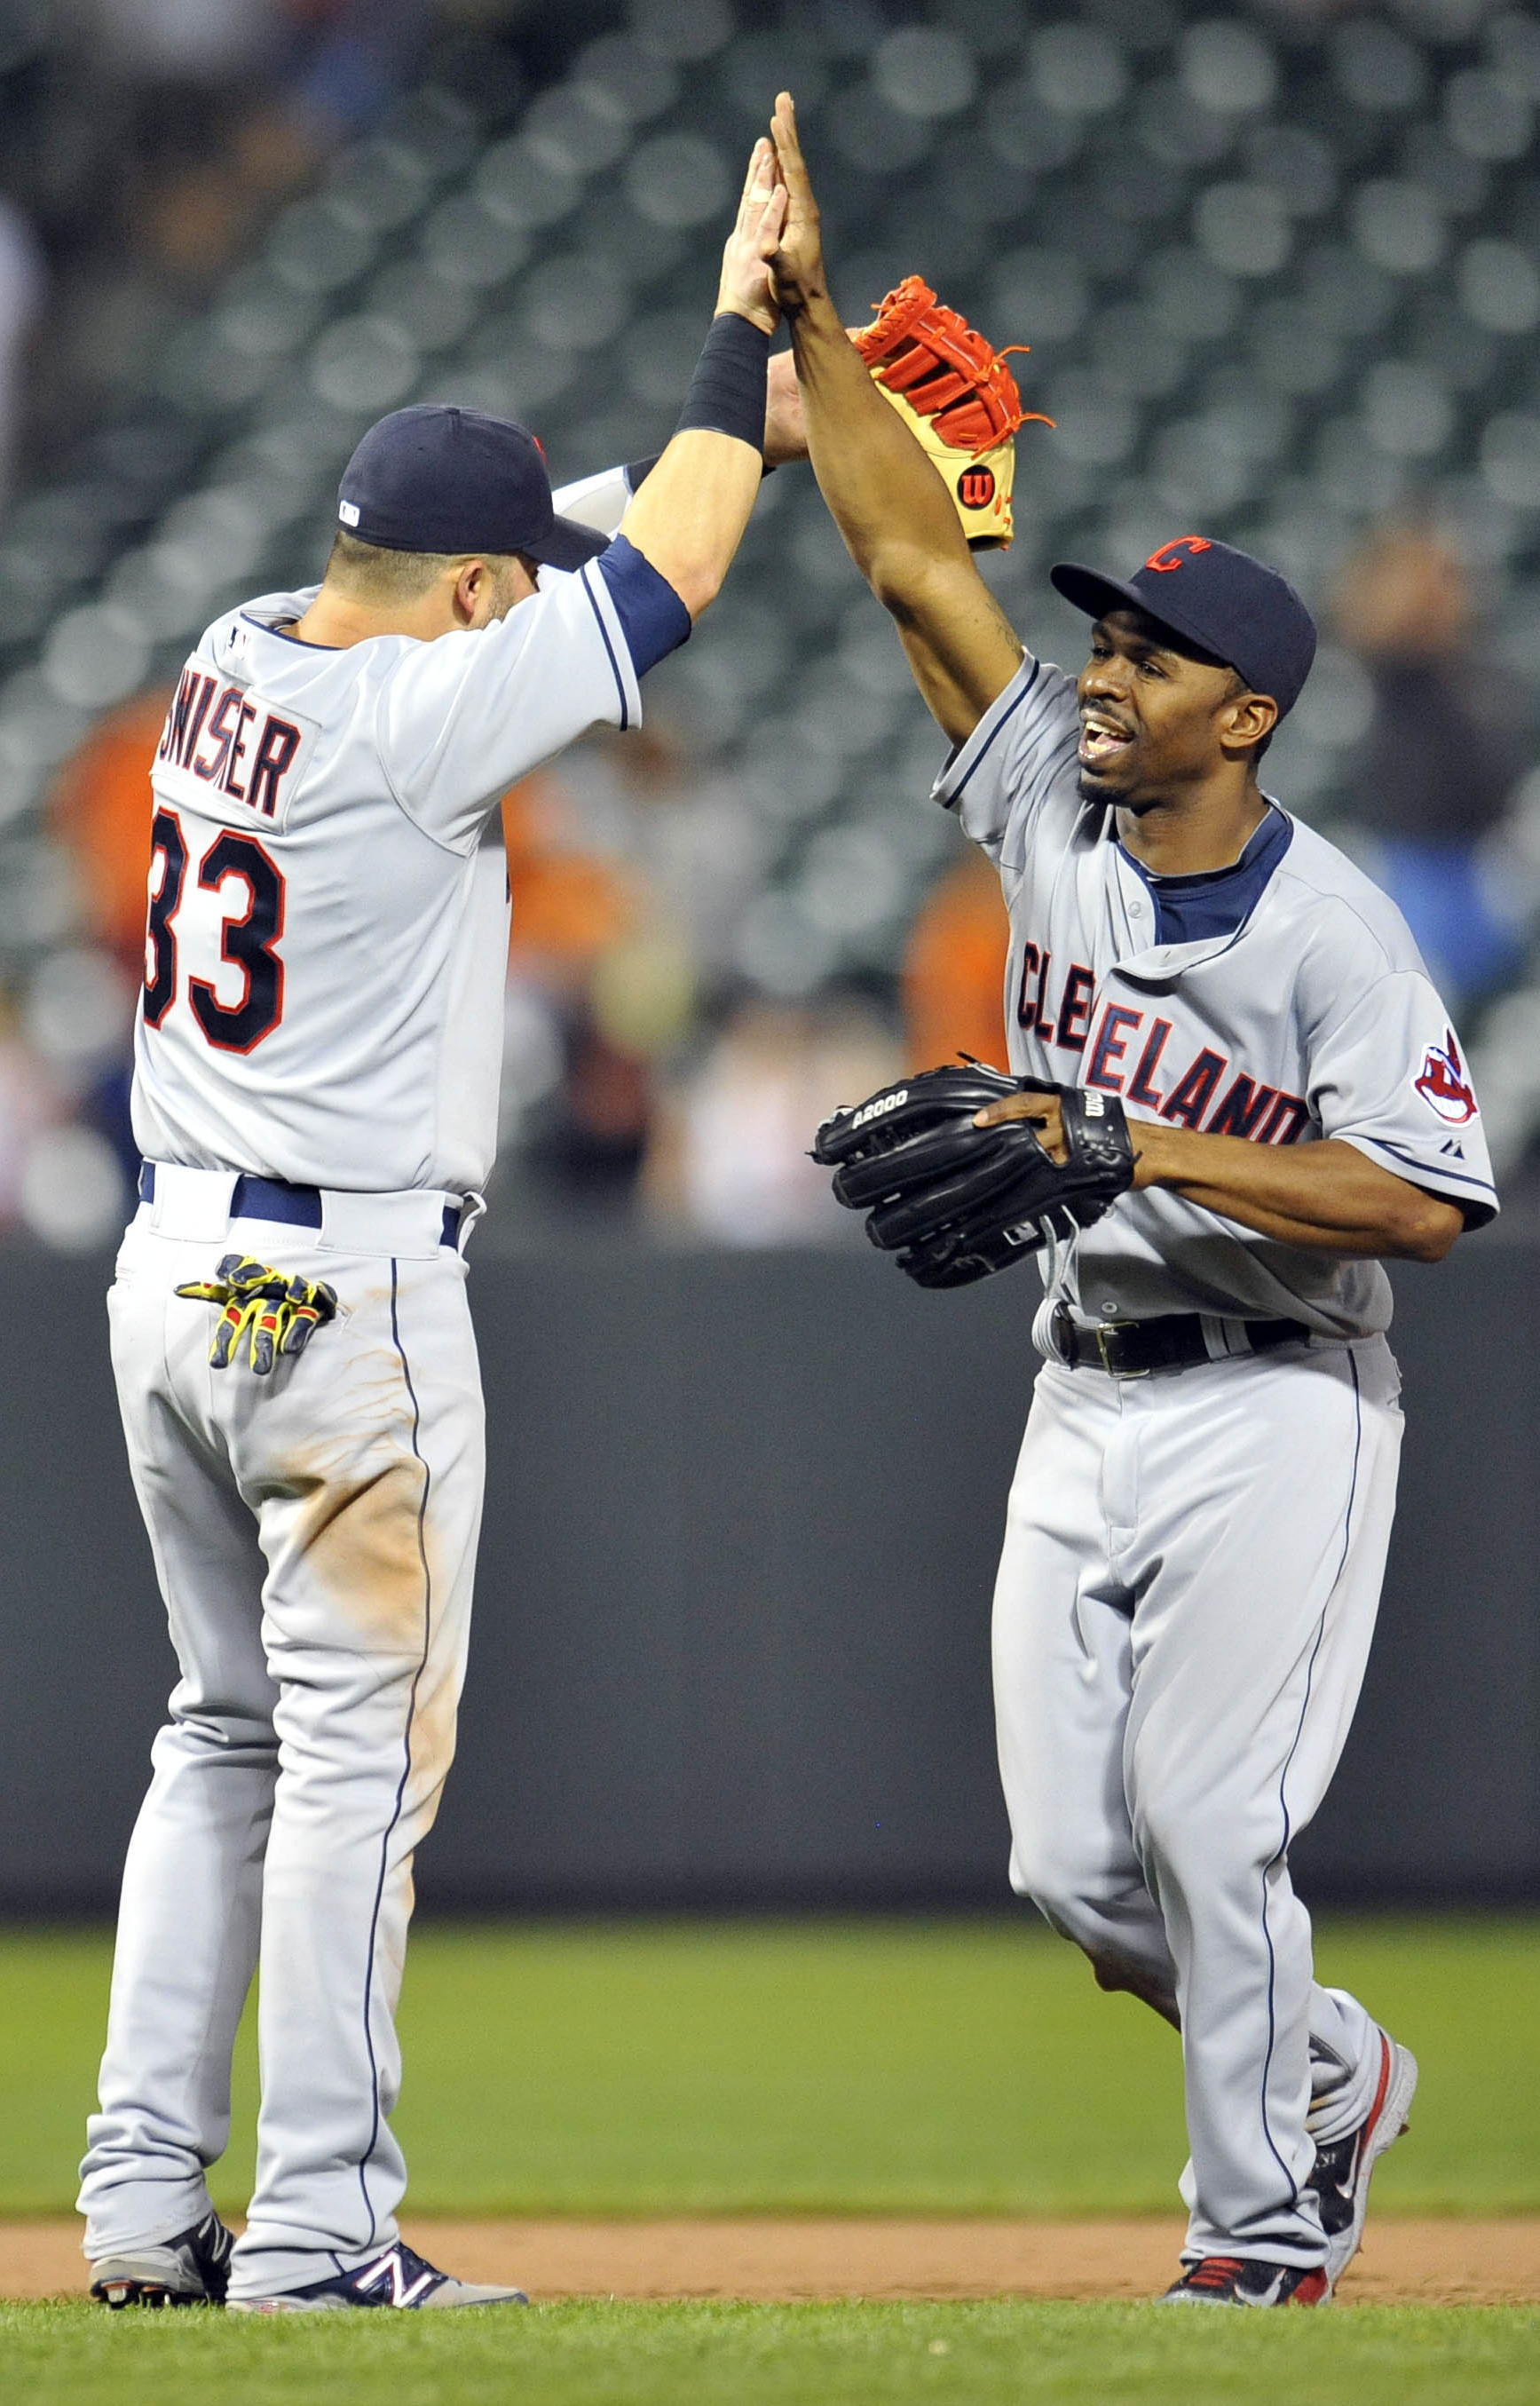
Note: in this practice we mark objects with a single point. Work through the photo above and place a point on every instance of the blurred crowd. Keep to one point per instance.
(1281, 268)
(144, 142)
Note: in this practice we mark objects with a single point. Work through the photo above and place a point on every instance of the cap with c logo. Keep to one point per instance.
(1219, 598)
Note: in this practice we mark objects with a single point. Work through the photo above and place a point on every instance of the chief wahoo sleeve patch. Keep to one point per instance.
(1444, 1085)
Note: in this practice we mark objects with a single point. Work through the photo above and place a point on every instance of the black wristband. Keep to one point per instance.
(727, 394)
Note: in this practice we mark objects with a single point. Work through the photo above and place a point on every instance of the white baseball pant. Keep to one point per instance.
(1184, 1613)
(315, 1537)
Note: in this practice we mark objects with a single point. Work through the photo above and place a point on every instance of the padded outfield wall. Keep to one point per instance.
(732, 1615)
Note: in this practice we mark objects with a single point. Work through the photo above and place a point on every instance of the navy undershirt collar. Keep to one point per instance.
(1216, 901)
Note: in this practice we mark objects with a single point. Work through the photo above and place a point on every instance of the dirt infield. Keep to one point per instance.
(1452, 2262)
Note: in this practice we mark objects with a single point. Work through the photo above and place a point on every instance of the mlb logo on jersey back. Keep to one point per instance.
(222, 743)
(1444, 1085)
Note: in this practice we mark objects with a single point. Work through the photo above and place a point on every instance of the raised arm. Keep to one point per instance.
(689, 518)
(883, 494)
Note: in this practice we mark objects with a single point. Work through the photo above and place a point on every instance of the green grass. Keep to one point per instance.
(990, 2354)
(857, 2066)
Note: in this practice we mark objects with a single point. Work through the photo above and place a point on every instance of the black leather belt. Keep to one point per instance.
(1132, 1349)
(274, 1199)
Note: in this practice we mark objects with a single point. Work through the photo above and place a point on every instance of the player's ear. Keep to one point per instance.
(473, 580)
(1245, 720)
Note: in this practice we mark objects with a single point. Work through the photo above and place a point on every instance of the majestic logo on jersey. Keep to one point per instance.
(976, 487)
(1170, 555)
(1444, 1085)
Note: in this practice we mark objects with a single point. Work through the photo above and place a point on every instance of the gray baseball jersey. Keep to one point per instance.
(1193, 1562)
(326, 959)
(1312, 1018)
(328, 933)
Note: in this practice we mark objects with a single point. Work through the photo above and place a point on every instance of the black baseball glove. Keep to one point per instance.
(957, 1202)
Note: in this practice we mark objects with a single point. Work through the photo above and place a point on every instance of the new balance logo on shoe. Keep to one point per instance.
(396, 2277)
(405, 2277)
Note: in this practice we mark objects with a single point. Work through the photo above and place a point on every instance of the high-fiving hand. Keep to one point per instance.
(746, 287)
(798, 265)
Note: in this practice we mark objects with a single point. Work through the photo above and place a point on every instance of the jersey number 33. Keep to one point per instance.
(250, 888)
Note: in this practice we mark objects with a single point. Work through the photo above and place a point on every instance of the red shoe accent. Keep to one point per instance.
(1213, 2271)
(1378, 2106)
(1313, 2290)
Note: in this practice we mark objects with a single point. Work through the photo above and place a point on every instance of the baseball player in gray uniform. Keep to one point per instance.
(316, 1096)
(1197, 1530)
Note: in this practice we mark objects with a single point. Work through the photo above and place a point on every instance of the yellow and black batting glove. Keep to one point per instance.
(280, 1313)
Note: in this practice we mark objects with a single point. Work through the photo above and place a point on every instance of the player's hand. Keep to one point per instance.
(1147, 1142)
(745, 286)
(1041, 1109)
(798, 263)
(785, 428)
(278, 1313)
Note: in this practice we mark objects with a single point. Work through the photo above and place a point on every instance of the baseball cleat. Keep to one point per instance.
(1342, 2172)
(1242, 2281)
(398, 2276)
(190, 2269)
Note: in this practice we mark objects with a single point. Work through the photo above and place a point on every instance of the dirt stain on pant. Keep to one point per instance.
(361, 1540)
(364, 1543)
(347, 1517)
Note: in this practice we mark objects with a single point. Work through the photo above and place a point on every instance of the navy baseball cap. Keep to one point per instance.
(1220, 599)
(437, 478)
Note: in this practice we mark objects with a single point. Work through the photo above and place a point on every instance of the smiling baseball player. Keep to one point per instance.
(1197, 1530)
(316, 1096)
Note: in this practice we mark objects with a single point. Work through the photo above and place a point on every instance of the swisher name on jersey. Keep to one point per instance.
(1299, 1009)
(328, 931)
(224, 743)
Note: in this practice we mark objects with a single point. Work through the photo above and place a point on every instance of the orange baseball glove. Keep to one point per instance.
(955, 393)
